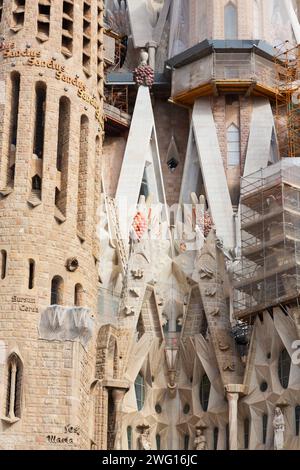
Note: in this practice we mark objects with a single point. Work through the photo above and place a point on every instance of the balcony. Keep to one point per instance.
(215, 67)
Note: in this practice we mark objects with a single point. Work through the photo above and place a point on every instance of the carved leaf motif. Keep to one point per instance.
(214, 312)
(206, 272)
(129, 310)
(223, 347)
(229, 366)
(210, 291)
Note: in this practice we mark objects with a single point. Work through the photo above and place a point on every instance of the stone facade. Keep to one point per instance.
(128, 337)
(56, 375)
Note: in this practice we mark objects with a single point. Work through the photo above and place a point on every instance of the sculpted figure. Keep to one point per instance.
(144, 440)
(200, 442)
(279, 428)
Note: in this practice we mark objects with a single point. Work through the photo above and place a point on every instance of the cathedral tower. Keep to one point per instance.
(50, 150)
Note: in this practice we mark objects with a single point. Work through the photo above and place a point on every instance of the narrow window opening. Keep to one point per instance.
(227, 436)
(13, 128)
(186, 443)
(129, 437)
(284, 367)
(39, 128)
(233, 145)
(86, 38)
(83, 177)
(18, 15)
(264, 428)
(246, 433)
(78, 295)
(63, 142)
(158, 442)
(57, 286)
(67, 29)
(31, 274)
(43, 24)
(297, 419)
(14, 387)
(231, 21)
(3, 263)
(1, 10)
(216, 438)
(204, 392)
(140, 391)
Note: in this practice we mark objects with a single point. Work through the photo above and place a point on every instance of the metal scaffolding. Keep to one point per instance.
(287, 66)
(269, 272)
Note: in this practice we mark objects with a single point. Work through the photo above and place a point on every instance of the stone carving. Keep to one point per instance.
(223, 347)
(214, 312)
(210, 291)
(200, 442)
(144, 438)
(279, 429)
(172, 386)
(230, 366)
(137, 273)
(165, 319)
(144, 57)
(206, 272)
(128, 311)
(72, 264)
(59, 323)
(134, 292)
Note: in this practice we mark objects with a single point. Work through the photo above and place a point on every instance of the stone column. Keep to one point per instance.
(152, 53)
(118, 397)
(233, 393)
(233, 431)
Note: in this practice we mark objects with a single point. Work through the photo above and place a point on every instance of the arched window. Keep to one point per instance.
(129, 437)
(264, 428)
(13, 129)
(14, 387)
(78, 295)
(284, 367)
(216, 438)
(31, 274)
(83, 177)
(186, 443)
(297, 419)
(57, 287)
(257, 19)
(36, 183)
(139, 386)
(204, 392)
(158, 442)
(39, 126)
(246, 433)
(3, 263)
(233, 145)
(230, 21)
(62, 158)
